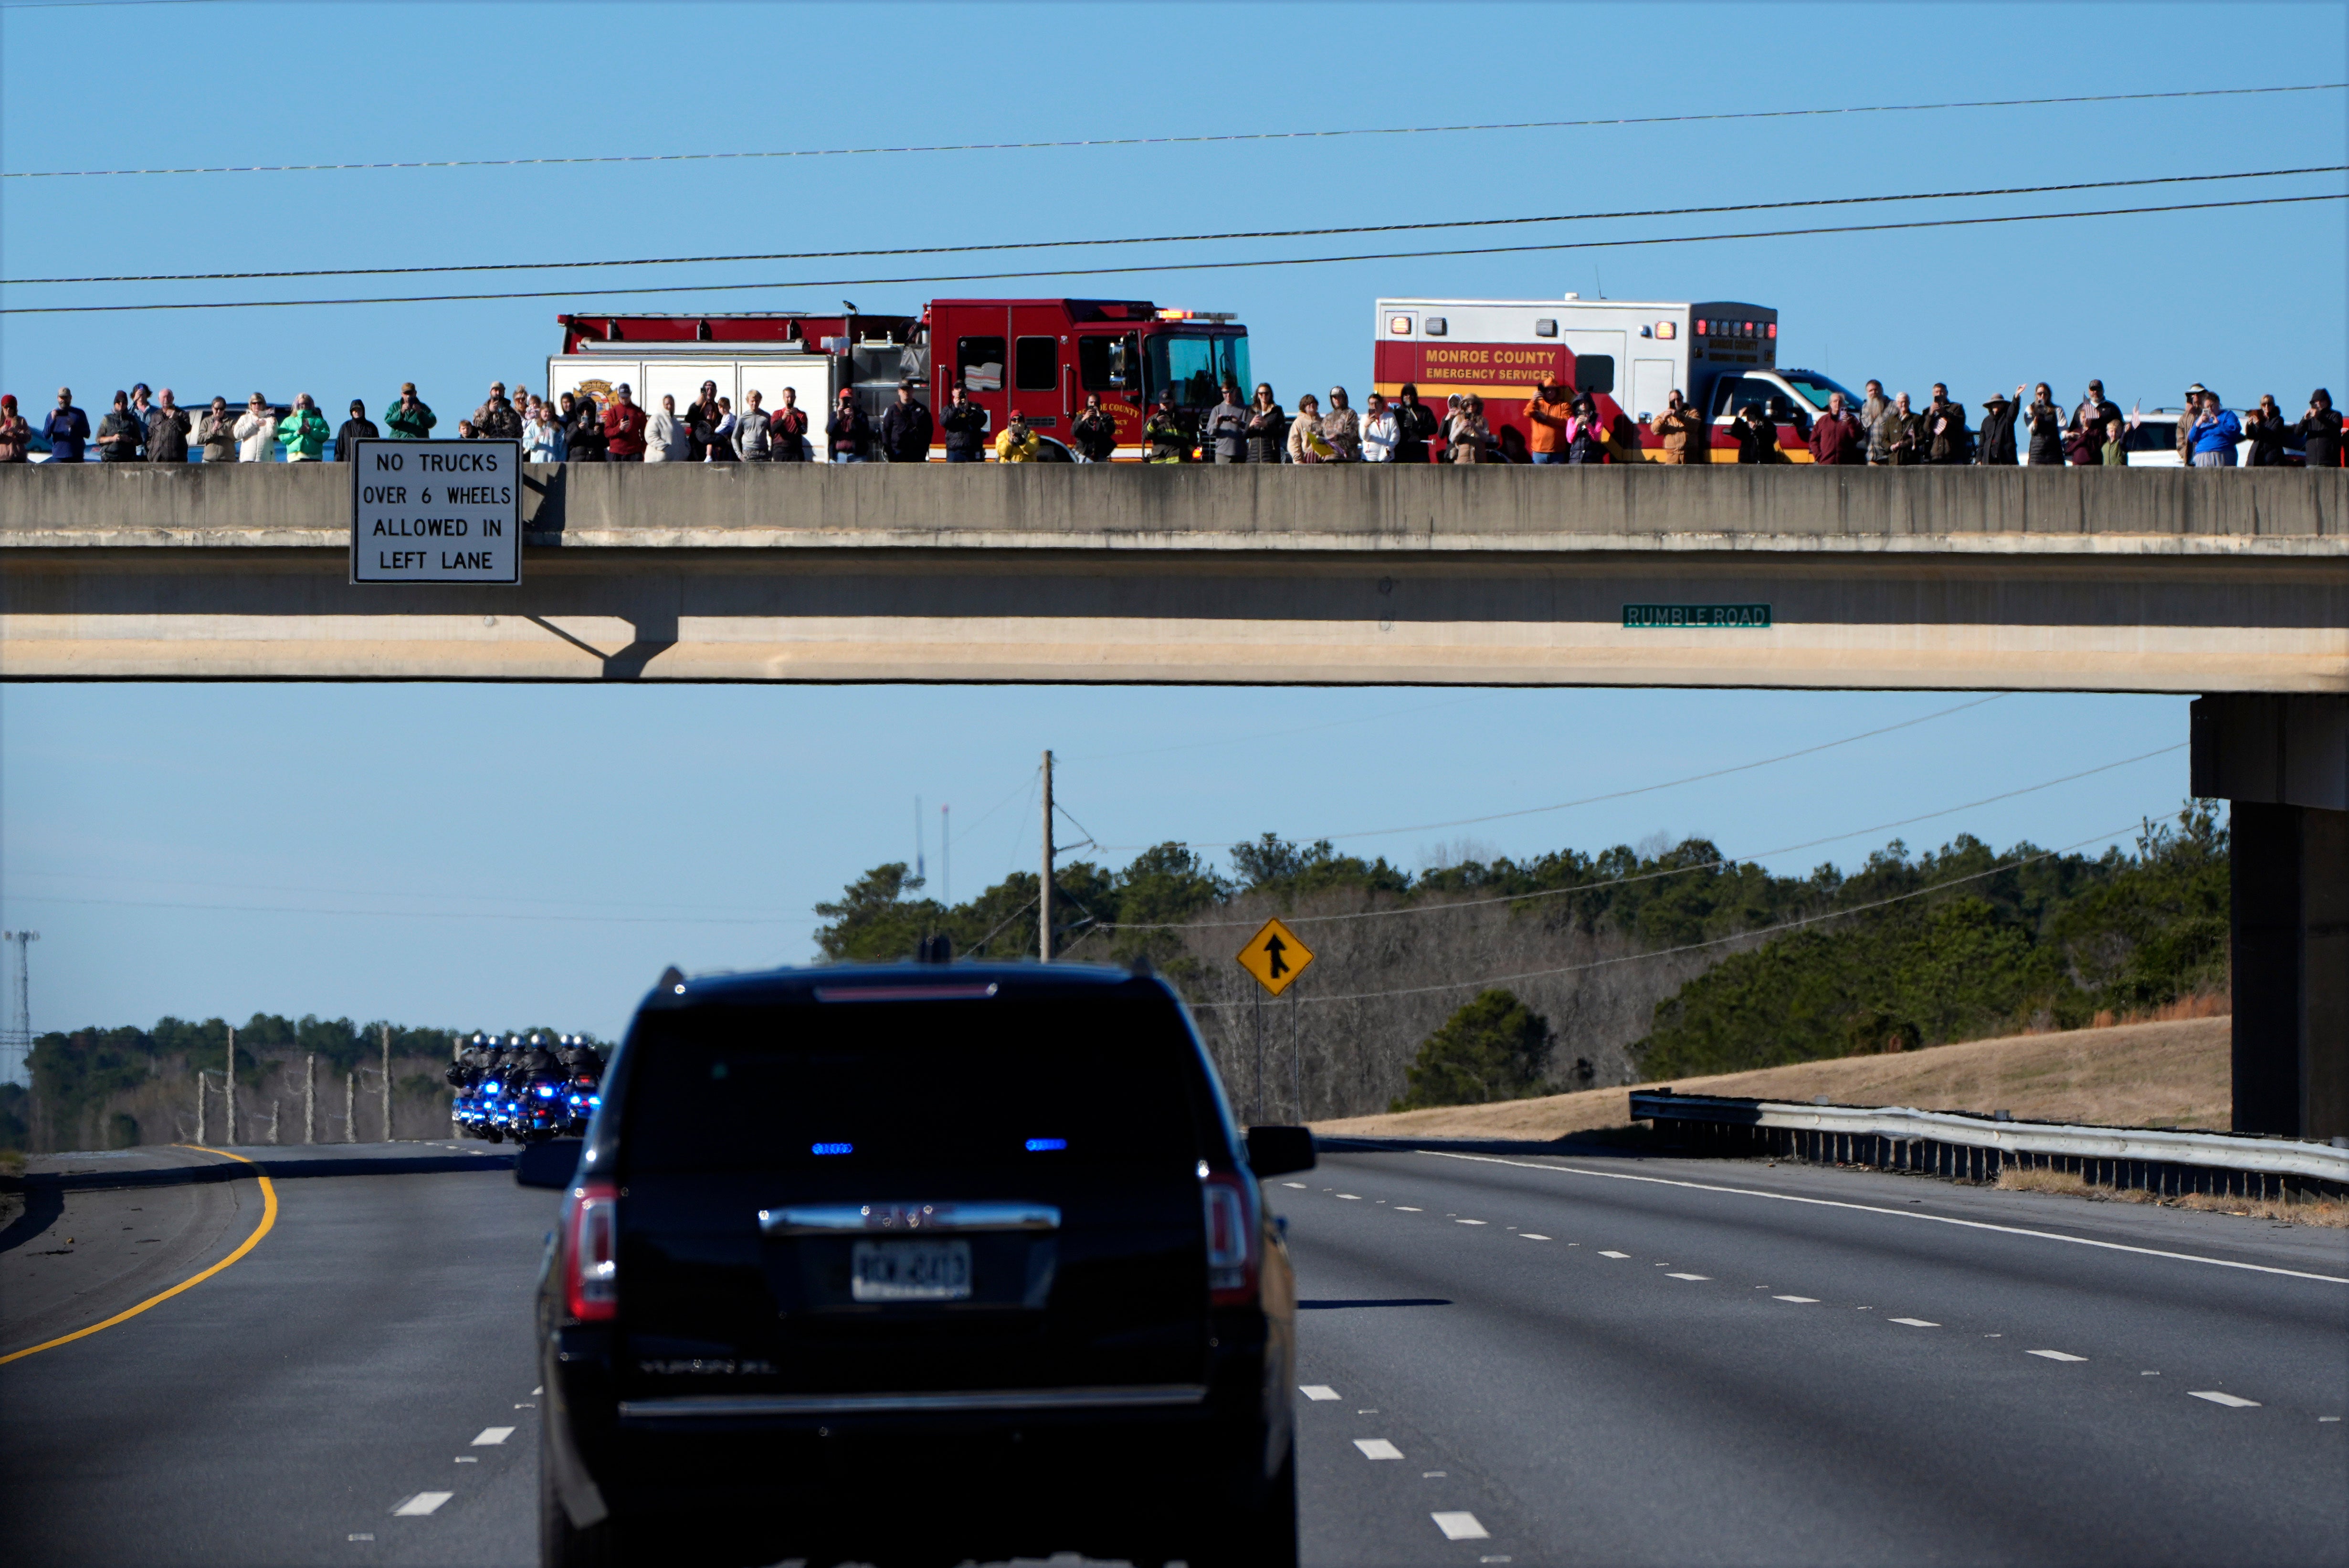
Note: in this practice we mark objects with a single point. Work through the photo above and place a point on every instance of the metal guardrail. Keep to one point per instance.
(1971, 1146)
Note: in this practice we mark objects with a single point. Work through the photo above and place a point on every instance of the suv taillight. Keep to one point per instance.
(1231, 1239)
(591, 1246)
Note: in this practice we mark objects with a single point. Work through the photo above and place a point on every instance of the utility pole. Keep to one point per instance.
(199, 1105)
(351, 1105)
(945, 856)
(310, 1098)
(19, 1038)
(228, 1087)
(386, 1083)
(1044, 886)
(921, 872)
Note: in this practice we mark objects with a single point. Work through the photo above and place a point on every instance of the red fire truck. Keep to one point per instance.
(1038, 357)
(1629, 355)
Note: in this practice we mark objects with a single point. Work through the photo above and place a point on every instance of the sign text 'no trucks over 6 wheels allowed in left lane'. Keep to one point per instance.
(436, 511)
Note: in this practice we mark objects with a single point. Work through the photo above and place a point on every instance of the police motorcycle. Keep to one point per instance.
(537, 1103)
(583, 1076)
(468, 1075)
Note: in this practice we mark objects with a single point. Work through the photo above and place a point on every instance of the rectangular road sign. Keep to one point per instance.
(1274, 956)
(436, 511)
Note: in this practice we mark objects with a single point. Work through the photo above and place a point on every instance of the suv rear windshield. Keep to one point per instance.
(992, 1084)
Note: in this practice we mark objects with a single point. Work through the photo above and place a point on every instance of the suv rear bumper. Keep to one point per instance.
(782, 1411)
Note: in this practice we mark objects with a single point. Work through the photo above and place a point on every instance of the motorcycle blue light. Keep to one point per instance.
(1043, 1145)
(547, 1091)
(830, 1148)
(595, 1099)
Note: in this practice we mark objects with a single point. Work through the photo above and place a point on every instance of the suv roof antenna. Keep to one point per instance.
(671, 979)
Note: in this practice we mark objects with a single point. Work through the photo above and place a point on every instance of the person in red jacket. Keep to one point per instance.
(1838, 437)
(624, 428)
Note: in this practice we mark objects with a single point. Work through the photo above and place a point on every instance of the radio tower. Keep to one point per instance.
(17, 1039)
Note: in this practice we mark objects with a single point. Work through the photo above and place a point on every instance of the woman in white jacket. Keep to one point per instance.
(664, 437)
(256, 432)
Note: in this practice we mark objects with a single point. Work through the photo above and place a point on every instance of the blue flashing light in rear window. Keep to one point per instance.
(1040, 1145)
(830, 1148)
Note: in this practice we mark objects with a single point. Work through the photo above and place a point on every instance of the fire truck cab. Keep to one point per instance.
(1629, 355)
(1037, 358)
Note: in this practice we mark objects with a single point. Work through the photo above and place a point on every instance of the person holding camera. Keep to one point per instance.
(2319, 431)
(2265, 427)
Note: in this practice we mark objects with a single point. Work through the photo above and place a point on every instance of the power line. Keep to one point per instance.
(1448, 907)
(1176, 238)
(421, 913)
(1763, 934)
(1162, 140)
(1637, 789)
(1187, 266)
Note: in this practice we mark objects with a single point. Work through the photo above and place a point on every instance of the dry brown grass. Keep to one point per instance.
(2171, 1072)
(2328, 1211)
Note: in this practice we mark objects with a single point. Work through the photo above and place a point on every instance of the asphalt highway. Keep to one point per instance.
(1509, 1357)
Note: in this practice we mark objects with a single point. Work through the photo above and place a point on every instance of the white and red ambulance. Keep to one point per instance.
(1722, 356)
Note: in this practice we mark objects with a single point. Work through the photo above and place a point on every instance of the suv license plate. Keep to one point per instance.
(909, 1271)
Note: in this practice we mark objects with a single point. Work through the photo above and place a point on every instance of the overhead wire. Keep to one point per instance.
(1637, 788)
(1204, 238)
(1451, 904)
(1759, 934)
(1199, 139)
(1179, 266)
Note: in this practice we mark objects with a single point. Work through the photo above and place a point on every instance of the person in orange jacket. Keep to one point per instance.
(1547, 412)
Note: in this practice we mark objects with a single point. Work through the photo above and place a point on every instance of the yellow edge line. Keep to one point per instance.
(268, 1219)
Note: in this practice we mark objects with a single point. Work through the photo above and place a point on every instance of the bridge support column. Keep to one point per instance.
(2283, 762)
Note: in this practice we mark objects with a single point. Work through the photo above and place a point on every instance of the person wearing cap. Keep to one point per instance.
(1017, 444)
(67, 429)
(167, 425)
(906, 428)
(1164, 435)
(256, 431)
(495, 420)
(1994, 442)
(1342, 427)
(624, 427)
(2195, 397)
(357, 427)
(2214, 434)
(15, 433)
(303, 431)
(121, 438)
(410, 418)
(2319, 431)
(1547, 412)
(848, 433)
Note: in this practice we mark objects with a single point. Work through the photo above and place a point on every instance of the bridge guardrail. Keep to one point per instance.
(1970, 1147)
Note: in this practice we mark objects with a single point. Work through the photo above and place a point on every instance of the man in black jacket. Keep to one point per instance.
(495, 420)
(848, 432)
(906, 428)
(357, 427)
(1996, 447)
(1946, 438)
(966, 427)
(121, 438)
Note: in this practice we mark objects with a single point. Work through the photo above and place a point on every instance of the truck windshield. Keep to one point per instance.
(1189, 371)
(1817, 389)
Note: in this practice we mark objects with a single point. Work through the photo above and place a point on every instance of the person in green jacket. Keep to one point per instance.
(2115, 453)
(303, 432)
(410, 418)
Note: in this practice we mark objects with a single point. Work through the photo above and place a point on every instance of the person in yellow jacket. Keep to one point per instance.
(1018, 443)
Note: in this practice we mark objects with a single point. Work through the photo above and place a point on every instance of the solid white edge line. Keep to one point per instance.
(2055, 1354)
(1897, 1213)
(2218, 1396)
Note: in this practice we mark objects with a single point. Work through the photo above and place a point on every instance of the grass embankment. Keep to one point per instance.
(2173, 1074)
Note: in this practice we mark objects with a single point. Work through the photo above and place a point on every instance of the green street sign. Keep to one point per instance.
(1679, 617)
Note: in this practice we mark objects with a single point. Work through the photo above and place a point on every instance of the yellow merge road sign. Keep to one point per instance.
(1274, 956)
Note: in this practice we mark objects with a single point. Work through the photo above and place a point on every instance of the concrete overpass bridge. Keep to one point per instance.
(2230, 584)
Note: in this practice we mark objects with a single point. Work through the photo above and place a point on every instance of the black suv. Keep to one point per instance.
(920, 1261)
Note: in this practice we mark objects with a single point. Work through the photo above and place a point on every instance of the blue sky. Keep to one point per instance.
(169, 814)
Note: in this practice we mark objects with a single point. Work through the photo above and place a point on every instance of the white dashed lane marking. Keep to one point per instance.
(1318, 1391)
(423, 1503)
(490, 1435)
(1688, 1276)
(1472, 1221)
(1407, 1209)
(1351, 1197)
(1607, 1254)
(1378, 1448)
(1804, 1300)
(2055, 1354)
(2216, 1398)
(1460, 1527)
(1529, 1236)
(1913, 1322)
(1298, 1185)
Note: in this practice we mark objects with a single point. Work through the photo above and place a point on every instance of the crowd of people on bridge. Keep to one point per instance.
(1561, 425)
